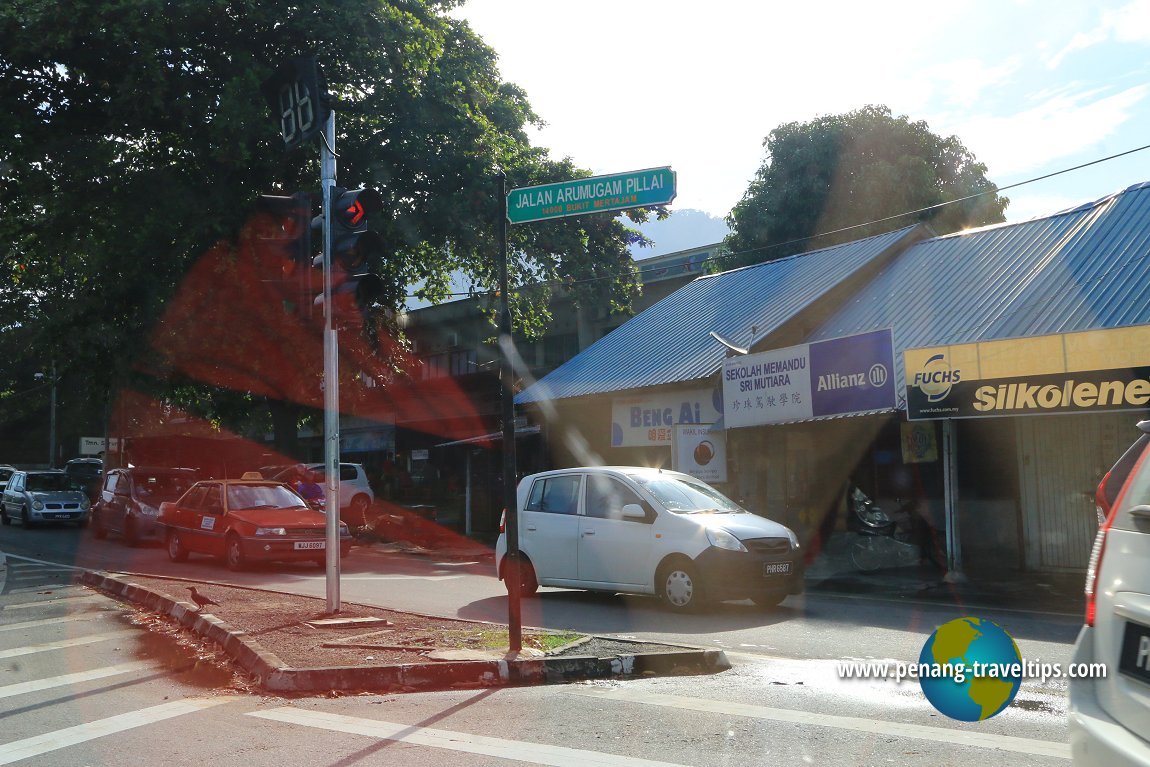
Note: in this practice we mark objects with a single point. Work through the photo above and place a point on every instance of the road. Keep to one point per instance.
(782, 702)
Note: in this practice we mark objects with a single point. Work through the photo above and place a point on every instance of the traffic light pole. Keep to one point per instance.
(330, 374)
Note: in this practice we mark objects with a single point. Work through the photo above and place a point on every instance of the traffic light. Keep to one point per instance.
(355, 250)
(282, 227)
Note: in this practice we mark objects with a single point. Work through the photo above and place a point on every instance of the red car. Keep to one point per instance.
(246, 520)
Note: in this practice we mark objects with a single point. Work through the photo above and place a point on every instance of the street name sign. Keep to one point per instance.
(597, 194)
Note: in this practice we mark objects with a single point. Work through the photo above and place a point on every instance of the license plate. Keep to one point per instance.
(776, 568)
(302, 545)
(63, 516)
(1134, 660)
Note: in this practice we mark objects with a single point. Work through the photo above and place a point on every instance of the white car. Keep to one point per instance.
(648, 531)
(355, 493)
(1110, 714)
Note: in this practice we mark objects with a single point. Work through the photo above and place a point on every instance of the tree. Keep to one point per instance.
(839, 171)
(134, 142)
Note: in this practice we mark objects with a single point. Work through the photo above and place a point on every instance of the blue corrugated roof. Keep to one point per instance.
(1086, 268)
(671, 342)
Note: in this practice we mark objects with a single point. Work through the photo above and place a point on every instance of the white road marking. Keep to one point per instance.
(23, 688)
(64, 643)
(44, 622)
(70, 736)
(41, 587)
(518, 750)
(399, 577)
(43, 602)
(877, 727)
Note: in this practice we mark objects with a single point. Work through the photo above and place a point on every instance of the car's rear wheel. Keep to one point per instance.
(678, 584)
(234, 553)
(528, 581)
(176, 550)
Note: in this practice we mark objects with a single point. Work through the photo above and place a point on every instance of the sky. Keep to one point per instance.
(1030, 87)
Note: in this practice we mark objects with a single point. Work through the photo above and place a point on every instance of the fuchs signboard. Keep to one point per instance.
(840, 376)
(1065, 373)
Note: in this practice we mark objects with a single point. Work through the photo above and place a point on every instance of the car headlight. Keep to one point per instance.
(84, 503)
(37, 504)
(343, 529)
(270, 531)
(721, 539)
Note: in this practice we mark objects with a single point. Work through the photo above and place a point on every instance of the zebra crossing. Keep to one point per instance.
(19, 575)
(75, 690)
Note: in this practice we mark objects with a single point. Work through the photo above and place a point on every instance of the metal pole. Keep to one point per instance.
(52, 422)
(506, 389)
(330, 375)
(467, 495)
(954, 572)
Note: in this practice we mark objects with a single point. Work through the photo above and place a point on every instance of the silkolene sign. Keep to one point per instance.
(853, 374)
(1065, 373)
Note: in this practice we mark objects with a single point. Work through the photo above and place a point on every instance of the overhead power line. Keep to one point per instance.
(916, 212)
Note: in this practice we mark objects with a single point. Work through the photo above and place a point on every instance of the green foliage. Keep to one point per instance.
(134, 141)
(838, 171)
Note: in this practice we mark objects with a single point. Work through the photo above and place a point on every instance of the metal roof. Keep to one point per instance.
(671, 341)
(1086, 268)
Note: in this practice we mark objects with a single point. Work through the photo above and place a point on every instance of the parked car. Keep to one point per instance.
(84, 474)
(129, 501)
(1108, 714)
(355, 493)
(42, 496)
(648, 531)
(5, 473)
(246, 520)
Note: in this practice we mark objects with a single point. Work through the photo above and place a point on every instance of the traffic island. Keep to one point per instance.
(285, 643)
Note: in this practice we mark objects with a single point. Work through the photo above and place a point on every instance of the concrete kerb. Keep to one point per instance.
(273, 675)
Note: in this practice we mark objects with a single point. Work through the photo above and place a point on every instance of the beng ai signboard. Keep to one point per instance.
(649, 420)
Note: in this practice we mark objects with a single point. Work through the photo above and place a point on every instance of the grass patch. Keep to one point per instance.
(496, 639)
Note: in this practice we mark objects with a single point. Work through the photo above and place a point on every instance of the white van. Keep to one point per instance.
(648, 531)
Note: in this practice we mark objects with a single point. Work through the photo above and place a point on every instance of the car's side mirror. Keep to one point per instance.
(634, 511)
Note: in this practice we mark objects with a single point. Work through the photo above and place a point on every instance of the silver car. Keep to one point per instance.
(1110, 673)
(34, 497)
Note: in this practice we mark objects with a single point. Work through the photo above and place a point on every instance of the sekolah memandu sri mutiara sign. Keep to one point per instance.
(1090, 371)
(853, 374)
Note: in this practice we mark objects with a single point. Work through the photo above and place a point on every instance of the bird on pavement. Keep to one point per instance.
(201, 600)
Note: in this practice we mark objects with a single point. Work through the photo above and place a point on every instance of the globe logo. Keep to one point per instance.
(936, 378)
(975, 669)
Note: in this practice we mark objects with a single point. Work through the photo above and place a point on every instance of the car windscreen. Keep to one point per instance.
(269, 496)
(680, 495)
(157, 488)
(47, 483)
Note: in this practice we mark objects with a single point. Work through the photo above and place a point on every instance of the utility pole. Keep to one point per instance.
(51, 415)
(330, 372)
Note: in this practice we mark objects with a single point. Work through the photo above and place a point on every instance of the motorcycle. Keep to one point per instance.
(886, 540)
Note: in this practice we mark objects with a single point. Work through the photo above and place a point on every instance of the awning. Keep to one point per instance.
(493, 437)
